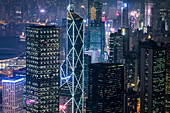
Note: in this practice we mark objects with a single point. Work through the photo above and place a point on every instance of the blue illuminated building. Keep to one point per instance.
(12, 95)
(96, 31)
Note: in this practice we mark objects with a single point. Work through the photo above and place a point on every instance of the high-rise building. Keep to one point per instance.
(117, 48)
(42, 67)
(148, 12)
(72, 69)
(152, 77)
(167, 106)
(166, 44)
(131, 70)
(161, 15)
(106, 88)
(21, 73)
(87, 61)
(97, 39)
(12, 95)
(167, 93)
(131, 101)
(96, 31)
(94, 11)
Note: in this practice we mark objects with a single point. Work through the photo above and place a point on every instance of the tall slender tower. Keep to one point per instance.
(42, 69)
(72, 69)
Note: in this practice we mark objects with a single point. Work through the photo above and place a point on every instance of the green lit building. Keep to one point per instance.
(152, 77)
(42, 69)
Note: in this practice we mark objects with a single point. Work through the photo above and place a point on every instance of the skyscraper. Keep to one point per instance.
(96, 32)
(152, 78)
(117, 48)
(72, 69)
(12, 95)
(167, 93)
(148, 12)
(106, 88)
(131, 70)
(22, 74)
(166, 44)
(42, 66)
(94, 11)
(97, 39)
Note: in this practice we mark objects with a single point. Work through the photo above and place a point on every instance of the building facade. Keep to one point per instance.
(117, 48)
(72, 69)
(12, 95)
(152, 78)
(96, 31)
(42, 67)
(21, 73)
(106, 88)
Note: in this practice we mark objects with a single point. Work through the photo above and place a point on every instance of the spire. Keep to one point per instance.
(71, 5)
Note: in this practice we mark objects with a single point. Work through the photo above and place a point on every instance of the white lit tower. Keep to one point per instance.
(148, 12)
(72, 69)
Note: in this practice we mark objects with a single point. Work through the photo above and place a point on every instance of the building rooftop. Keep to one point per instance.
(74, 15)
(45, 26)
(13, 80)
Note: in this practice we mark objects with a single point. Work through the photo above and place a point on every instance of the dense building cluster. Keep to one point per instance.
(85, 56)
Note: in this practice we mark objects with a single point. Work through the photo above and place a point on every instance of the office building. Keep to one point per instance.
(148, 12)
(106, 88)
(152, 77)
(117, 48)
(21, 73)
(96, 31)
(131, 101)
(160, 15)
(87, 62)
(72, 69)
(131, 70)
(42, 67)
(167, 93)
(94, 11)
(12, 95)
(165, 42)
(97, 39)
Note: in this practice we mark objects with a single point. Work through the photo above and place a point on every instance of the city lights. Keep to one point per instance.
(13, 81)
(125, 5)
(85, 56)
(42, 10)
(62, 107)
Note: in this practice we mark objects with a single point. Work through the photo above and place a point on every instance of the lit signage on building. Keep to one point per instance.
(93, 13)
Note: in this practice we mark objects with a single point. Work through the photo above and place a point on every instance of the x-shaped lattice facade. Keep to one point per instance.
(72, 69)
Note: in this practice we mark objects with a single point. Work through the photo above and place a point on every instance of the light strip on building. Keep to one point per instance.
(13, 81)
(65, 78)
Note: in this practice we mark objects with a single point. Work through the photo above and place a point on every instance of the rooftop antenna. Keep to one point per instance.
(71, 5)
